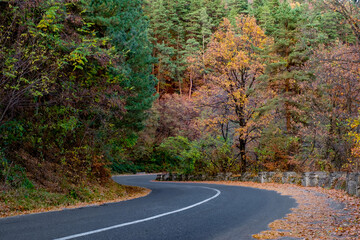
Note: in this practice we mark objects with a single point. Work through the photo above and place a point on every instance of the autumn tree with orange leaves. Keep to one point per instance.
(333, 98)
(234, 62)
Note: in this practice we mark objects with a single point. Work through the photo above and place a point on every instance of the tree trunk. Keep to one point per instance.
(180, 87)
(191, 84)
(243, 162)
(158, 77)
(287, 106)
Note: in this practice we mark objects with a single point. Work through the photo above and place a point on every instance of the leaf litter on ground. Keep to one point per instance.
(320, 213)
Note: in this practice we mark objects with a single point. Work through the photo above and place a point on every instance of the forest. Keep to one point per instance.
(97, 87)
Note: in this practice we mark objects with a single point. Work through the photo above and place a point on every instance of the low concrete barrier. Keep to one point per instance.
(350, 182)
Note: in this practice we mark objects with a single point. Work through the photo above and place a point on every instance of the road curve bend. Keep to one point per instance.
(181, 211)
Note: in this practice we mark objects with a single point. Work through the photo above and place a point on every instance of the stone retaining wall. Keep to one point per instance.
(338, 180)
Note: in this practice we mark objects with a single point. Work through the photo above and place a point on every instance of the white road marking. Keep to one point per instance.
(218, 192)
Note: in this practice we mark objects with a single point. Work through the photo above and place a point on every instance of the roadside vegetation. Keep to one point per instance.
(24, 200)
(92, 88)
(75, 83)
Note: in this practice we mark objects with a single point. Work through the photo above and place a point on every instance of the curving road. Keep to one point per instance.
(172, 211)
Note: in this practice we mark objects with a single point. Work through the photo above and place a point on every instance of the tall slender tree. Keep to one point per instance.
(287, 57)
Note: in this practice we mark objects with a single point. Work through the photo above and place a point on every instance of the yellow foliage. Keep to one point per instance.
(354, 164)
(48, 20)
(234, 58)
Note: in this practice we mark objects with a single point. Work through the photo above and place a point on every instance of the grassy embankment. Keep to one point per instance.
(30, 200)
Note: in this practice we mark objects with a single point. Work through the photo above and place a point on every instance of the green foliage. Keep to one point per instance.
(329, 28)
(214, 155)
(174, 28)
(206, 155)
(236, 8)
(123, 22)
(124, 167)
(277, 151)
(13, 175)
(11, 132)
(171, 152)
(75, 85)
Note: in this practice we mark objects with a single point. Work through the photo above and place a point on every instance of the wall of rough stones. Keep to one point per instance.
(338, 180)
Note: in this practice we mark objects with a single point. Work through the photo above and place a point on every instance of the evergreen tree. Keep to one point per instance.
(159, 21)
(199, 25)
(173, 24)
(255, 8)
(124, 23)
(206, 26)
(193, 24)
(285, 70)
(235, 8)
(178, 11)
(216, 11)
(165, 66)
(161, 38)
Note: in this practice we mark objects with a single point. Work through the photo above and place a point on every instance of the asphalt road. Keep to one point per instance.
(172, 211)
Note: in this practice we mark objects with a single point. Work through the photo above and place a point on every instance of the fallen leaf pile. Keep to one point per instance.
(320, 214)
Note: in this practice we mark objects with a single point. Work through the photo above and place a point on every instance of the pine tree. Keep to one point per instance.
(199, 27)
(159, 21)
(178, 11)
(194, 66)
(172, 25)
(192, 20)
(285, 72)
(206, 26)
(161, 38)
(216, 11)
(126, 26)
(165, 66)
(255, 8)
(235, 8)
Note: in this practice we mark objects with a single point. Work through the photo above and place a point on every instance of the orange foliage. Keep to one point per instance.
(334, 98)
(233, 60)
